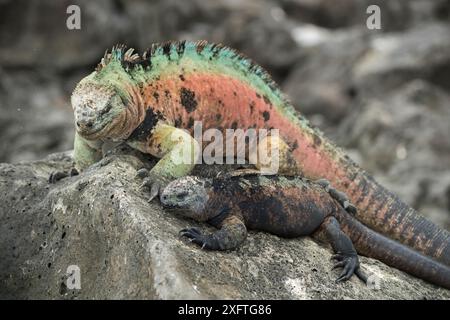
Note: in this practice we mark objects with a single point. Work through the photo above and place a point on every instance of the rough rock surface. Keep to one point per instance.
(126, 247)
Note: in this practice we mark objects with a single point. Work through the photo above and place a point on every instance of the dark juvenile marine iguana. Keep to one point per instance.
(288, 207)
(147, 100)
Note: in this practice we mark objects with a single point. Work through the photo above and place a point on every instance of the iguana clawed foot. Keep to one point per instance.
(58, 175)
(153, 183)
(194, 235)
(349, 264)
(142, 173)
(154, 186)
(324, 183)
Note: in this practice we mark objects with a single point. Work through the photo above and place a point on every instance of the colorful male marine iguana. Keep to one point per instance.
(146, 100)
(288, 207)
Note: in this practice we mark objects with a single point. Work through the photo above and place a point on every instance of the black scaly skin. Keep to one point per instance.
(293, 207)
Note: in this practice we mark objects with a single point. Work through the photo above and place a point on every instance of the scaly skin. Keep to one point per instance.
(288, 207)
(143, 100)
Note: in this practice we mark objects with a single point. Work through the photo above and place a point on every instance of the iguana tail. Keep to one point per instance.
(377, 207)
(392, 217)
(372, 244)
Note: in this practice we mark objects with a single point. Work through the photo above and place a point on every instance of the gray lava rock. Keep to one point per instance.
(403, 140)
(35, 34)
(395, 14)
(322, 83)
(36, 117)
(394, 59)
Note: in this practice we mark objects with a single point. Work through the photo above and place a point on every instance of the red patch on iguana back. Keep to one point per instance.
(223, 102)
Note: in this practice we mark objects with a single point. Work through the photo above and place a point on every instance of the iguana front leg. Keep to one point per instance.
(231, 235)
(85, 153)
(178, 151)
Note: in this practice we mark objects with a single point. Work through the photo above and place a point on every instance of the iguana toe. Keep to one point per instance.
(338, 257)
(339, 264)
(205, 241)
(191, 230)
(324, 183)
(351, 209)
(58, 175)
(73, 172)
(156, 185)
(349, 264)
(153, 186)
(142, 173)
(361, 275)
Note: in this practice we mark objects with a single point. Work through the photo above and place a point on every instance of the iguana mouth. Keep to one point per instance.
(168, 206)
(171, 208)
(91, 133)
(83, 131)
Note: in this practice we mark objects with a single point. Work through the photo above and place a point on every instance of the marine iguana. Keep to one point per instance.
(289, 207)
(147, 100)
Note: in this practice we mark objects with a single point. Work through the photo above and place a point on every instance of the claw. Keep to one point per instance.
(154, 188)
(154, 183)
(73, 172)
(343, 278)
(142, 173)
(345, 274)
(154, 191)
(324, 183)
(182, 234)
(338, 257)
(351, 209)
(194, 235)
(56, 176)
(193, 230)
(146, 183)
(361, 275)
(338, 265)
(350, 266)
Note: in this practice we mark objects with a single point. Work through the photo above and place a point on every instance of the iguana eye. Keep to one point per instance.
(105, 109)
(182, 195)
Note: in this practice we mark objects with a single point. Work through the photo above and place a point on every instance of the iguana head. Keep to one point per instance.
(102, 100)
(187, 196)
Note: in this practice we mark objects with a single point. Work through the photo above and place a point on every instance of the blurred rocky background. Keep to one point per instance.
(381, 94)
